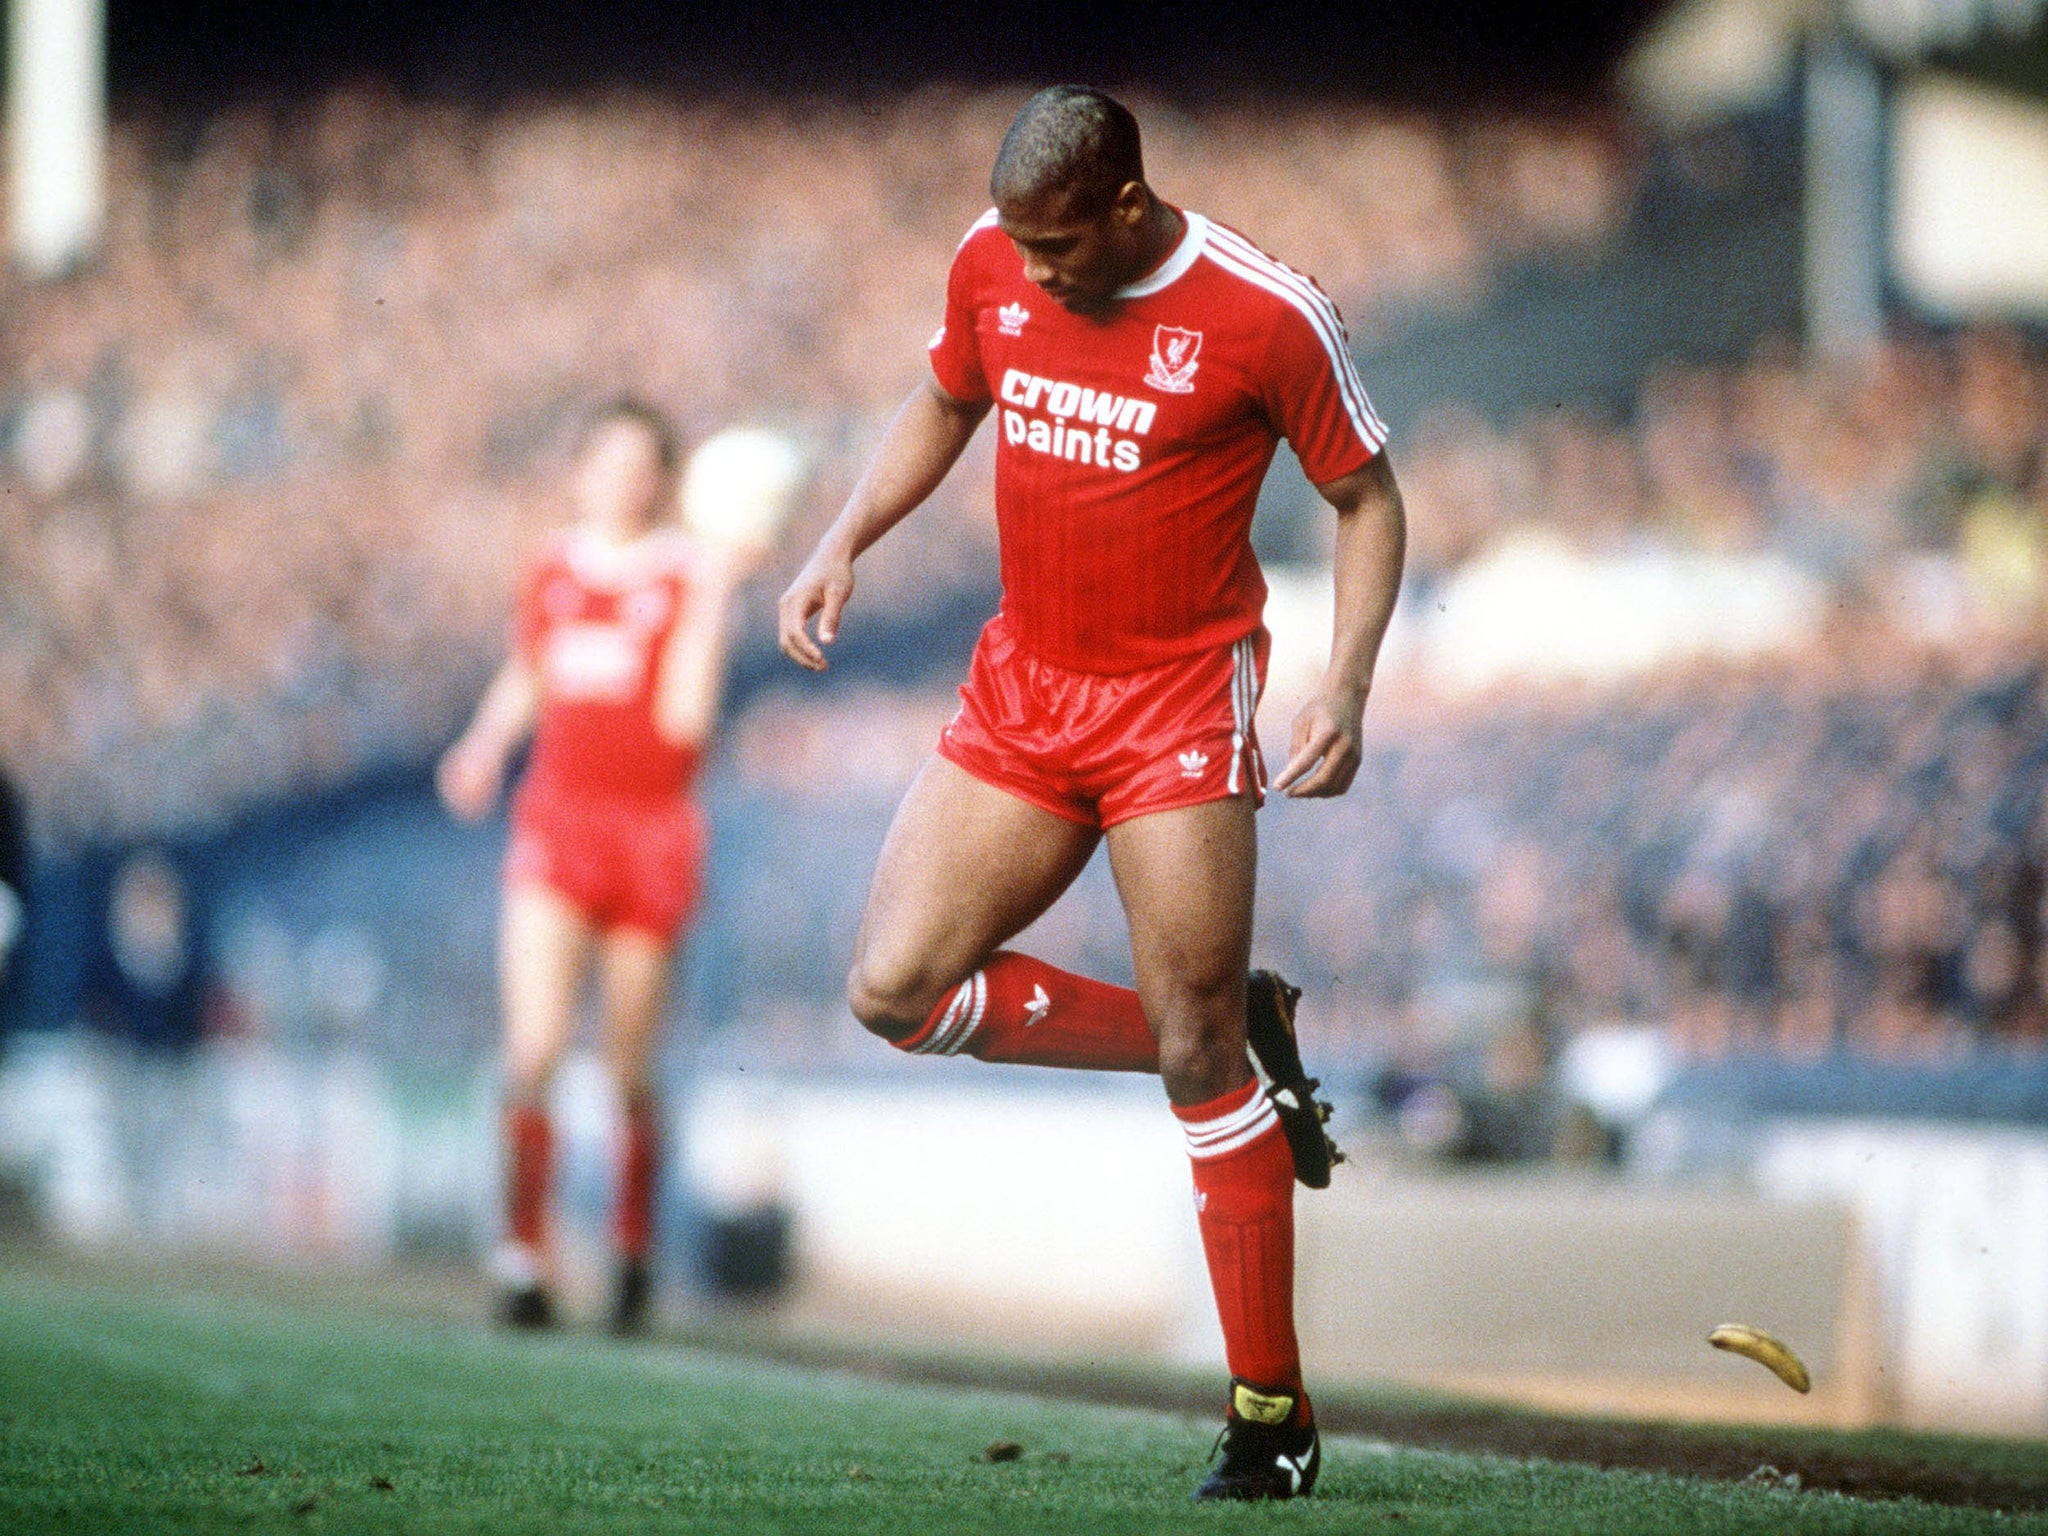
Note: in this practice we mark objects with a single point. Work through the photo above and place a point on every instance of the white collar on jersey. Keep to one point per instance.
(600, 562)
(1169, 271)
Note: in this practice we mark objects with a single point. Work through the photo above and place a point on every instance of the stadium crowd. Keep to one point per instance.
(1783, 855)
(1921, 445)
(268, 463)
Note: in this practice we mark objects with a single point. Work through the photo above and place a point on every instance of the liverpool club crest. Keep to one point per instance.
(1174, 352)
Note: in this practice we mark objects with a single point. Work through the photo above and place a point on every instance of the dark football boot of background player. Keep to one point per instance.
(632, 1296)
(1269, 1031)
(1265, 1454)
(526, 1307)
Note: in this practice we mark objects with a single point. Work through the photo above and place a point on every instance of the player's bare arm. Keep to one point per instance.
(691, 685)
(930, 431)
(472, 772)
(1372, 536)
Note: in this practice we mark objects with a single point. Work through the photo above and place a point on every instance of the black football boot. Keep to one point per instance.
(1265, 1454)
(1269, 1031)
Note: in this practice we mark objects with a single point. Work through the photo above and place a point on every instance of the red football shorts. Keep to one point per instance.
(1101, 749)
(621, 863)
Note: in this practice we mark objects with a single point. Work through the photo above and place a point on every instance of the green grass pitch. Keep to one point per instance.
(128, 1406)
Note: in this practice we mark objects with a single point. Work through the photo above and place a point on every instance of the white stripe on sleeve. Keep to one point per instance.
(1237, 255)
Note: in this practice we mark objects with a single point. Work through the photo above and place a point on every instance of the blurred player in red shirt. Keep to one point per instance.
(1142, 363)
(616, 669)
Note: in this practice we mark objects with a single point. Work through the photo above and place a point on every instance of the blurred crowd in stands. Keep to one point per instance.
(268, 464)
(269, 459)
(1917, 446)
(1786, 856)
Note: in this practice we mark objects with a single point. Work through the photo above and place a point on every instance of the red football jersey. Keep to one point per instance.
(593, 621)
(1131, 444)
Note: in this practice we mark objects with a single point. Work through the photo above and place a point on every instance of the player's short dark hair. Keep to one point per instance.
(668, 443)
(1073, 139)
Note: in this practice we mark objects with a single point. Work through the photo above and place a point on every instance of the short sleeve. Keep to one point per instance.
(1313, 392)
(956, 349)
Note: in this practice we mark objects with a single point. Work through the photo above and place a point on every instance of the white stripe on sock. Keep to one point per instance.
(935, 1043)
(1244, 1136)
(1228, 1132)
(976, 1009)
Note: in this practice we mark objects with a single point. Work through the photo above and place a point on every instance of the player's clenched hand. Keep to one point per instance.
(468, 779)
(820, 591)
(1324, 755)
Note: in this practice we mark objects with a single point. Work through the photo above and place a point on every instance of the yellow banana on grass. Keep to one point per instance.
(1755, 1344)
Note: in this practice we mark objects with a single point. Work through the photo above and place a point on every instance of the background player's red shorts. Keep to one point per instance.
(621, 863)
(1101, 749)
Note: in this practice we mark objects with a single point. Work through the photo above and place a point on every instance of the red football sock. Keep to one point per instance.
(639, 1165)
(529, 1172)
(1244, 1199)
(1017, 1009)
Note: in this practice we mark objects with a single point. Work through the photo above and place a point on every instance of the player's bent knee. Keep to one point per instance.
(1197, 1064)
(526, 1087)
(1196, 1057)
(892, 1012)
(634, 1088)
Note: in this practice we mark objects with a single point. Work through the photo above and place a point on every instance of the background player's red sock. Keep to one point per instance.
(529, 1173)
(1017, 1009)
(639, 1165)
(1244, 1199)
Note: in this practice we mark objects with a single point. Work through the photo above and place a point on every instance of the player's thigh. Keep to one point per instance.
(544, 948)
(965, 866)
(633, 976)
(1187, 879)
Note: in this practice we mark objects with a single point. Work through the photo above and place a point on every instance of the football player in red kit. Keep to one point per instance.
(1142, 363)
(616, 669)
